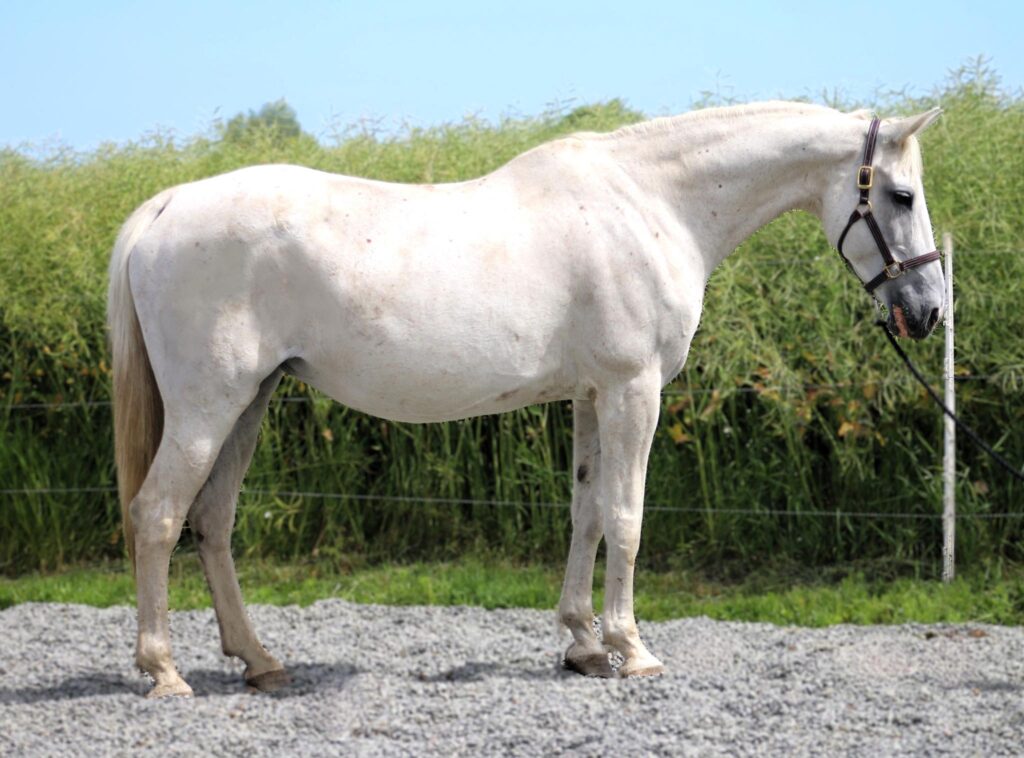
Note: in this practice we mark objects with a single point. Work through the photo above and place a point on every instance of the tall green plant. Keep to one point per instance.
(789, 410)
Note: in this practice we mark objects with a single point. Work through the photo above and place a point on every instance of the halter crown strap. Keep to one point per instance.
(866, 172)
(865, 180)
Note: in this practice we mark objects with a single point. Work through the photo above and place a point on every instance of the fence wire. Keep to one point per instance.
(524, 504)
(667, 392)
(657, 507)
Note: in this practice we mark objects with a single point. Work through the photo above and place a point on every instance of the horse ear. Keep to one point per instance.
(901, 129)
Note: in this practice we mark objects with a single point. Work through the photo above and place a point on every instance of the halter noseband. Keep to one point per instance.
(865, 178)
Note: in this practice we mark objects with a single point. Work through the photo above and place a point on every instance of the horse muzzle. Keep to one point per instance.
(916, 323)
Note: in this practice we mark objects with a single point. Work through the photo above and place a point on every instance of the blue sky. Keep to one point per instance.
(80, 73)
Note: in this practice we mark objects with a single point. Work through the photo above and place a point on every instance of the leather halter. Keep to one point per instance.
(865, 178)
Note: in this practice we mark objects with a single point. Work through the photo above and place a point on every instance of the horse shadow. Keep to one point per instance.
(476, 671)
(990, 685)
(306, 678)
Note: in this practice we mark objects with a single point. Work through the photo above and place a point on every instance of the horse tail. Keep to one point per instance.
(138, 408)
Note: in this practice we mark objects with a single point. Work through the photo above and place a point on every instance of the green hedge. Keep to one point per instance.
(790, 401)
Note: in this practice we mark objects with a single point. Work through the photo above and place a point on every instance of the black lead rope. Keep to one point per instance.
(935, 396)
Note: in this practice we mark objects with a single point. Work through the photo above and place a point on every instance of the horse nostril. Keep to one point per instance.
(933, 318)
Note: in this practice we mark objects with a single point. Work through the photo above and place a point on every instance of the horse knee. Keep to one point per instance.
(623, 530)
(591, 531)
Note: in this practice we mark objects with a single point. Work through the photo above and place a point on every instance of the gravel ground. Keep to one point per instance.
(374, 680)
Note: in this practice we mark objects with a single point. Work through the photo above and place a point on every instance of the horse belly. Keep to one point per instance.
(407, 380)
(429, 348)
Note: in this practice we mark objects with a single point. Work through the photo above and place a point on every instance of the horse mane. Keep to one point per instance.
(730, 112)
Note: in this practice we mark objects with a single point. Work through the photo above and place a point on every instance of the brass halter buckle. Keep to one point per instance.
(893, 270)
(865, 177)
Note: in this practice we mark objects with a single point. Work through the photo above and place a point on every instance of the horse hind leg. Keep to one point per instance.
(212, 518)
(189, 447)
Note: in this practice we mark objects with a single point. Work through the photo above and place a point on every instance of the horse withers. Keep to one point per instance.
(574, 272)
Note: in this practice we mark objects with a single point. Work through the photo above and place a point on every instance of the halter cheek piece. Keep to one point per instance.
(865, 178)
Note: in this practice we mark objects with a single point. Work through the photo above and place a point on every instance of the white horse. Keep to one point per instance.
(575, 272)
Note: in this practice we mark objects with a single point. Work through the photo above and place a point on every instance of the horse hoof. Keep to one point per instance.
(589, 664)
(641, 666)
(269, 681)
(176, 688)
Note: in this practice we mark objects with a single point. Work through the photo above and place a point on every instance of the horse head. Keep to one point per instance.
(888, 240)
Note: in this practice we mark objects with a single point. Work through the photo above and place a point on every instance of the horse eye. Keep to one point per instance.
(904, 198)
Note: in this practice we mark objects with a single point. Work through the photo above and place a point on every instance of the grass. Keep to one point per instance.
(775, 595)
(789, 402)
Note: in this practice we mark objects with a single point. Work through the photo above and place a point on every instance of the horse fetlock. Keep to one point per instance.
(622, 635)
(153, 655)
(571, 616)
(154, 658)
(257, 661)
(579, 621)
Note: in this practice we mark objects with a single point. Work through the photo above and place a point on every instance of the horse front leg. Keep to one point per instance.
(586, 655)
(627, 417)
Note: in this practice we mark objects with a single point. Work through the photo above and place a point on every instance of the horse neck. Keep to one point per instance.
(727, 174)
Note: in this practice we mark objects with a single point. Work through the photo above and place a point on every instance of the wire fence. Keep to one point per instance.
(524, 504)
(656, 507)
(667, 392)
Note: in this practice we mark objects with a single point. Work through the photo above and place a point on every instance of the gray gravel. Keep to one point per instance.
(374, 680)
